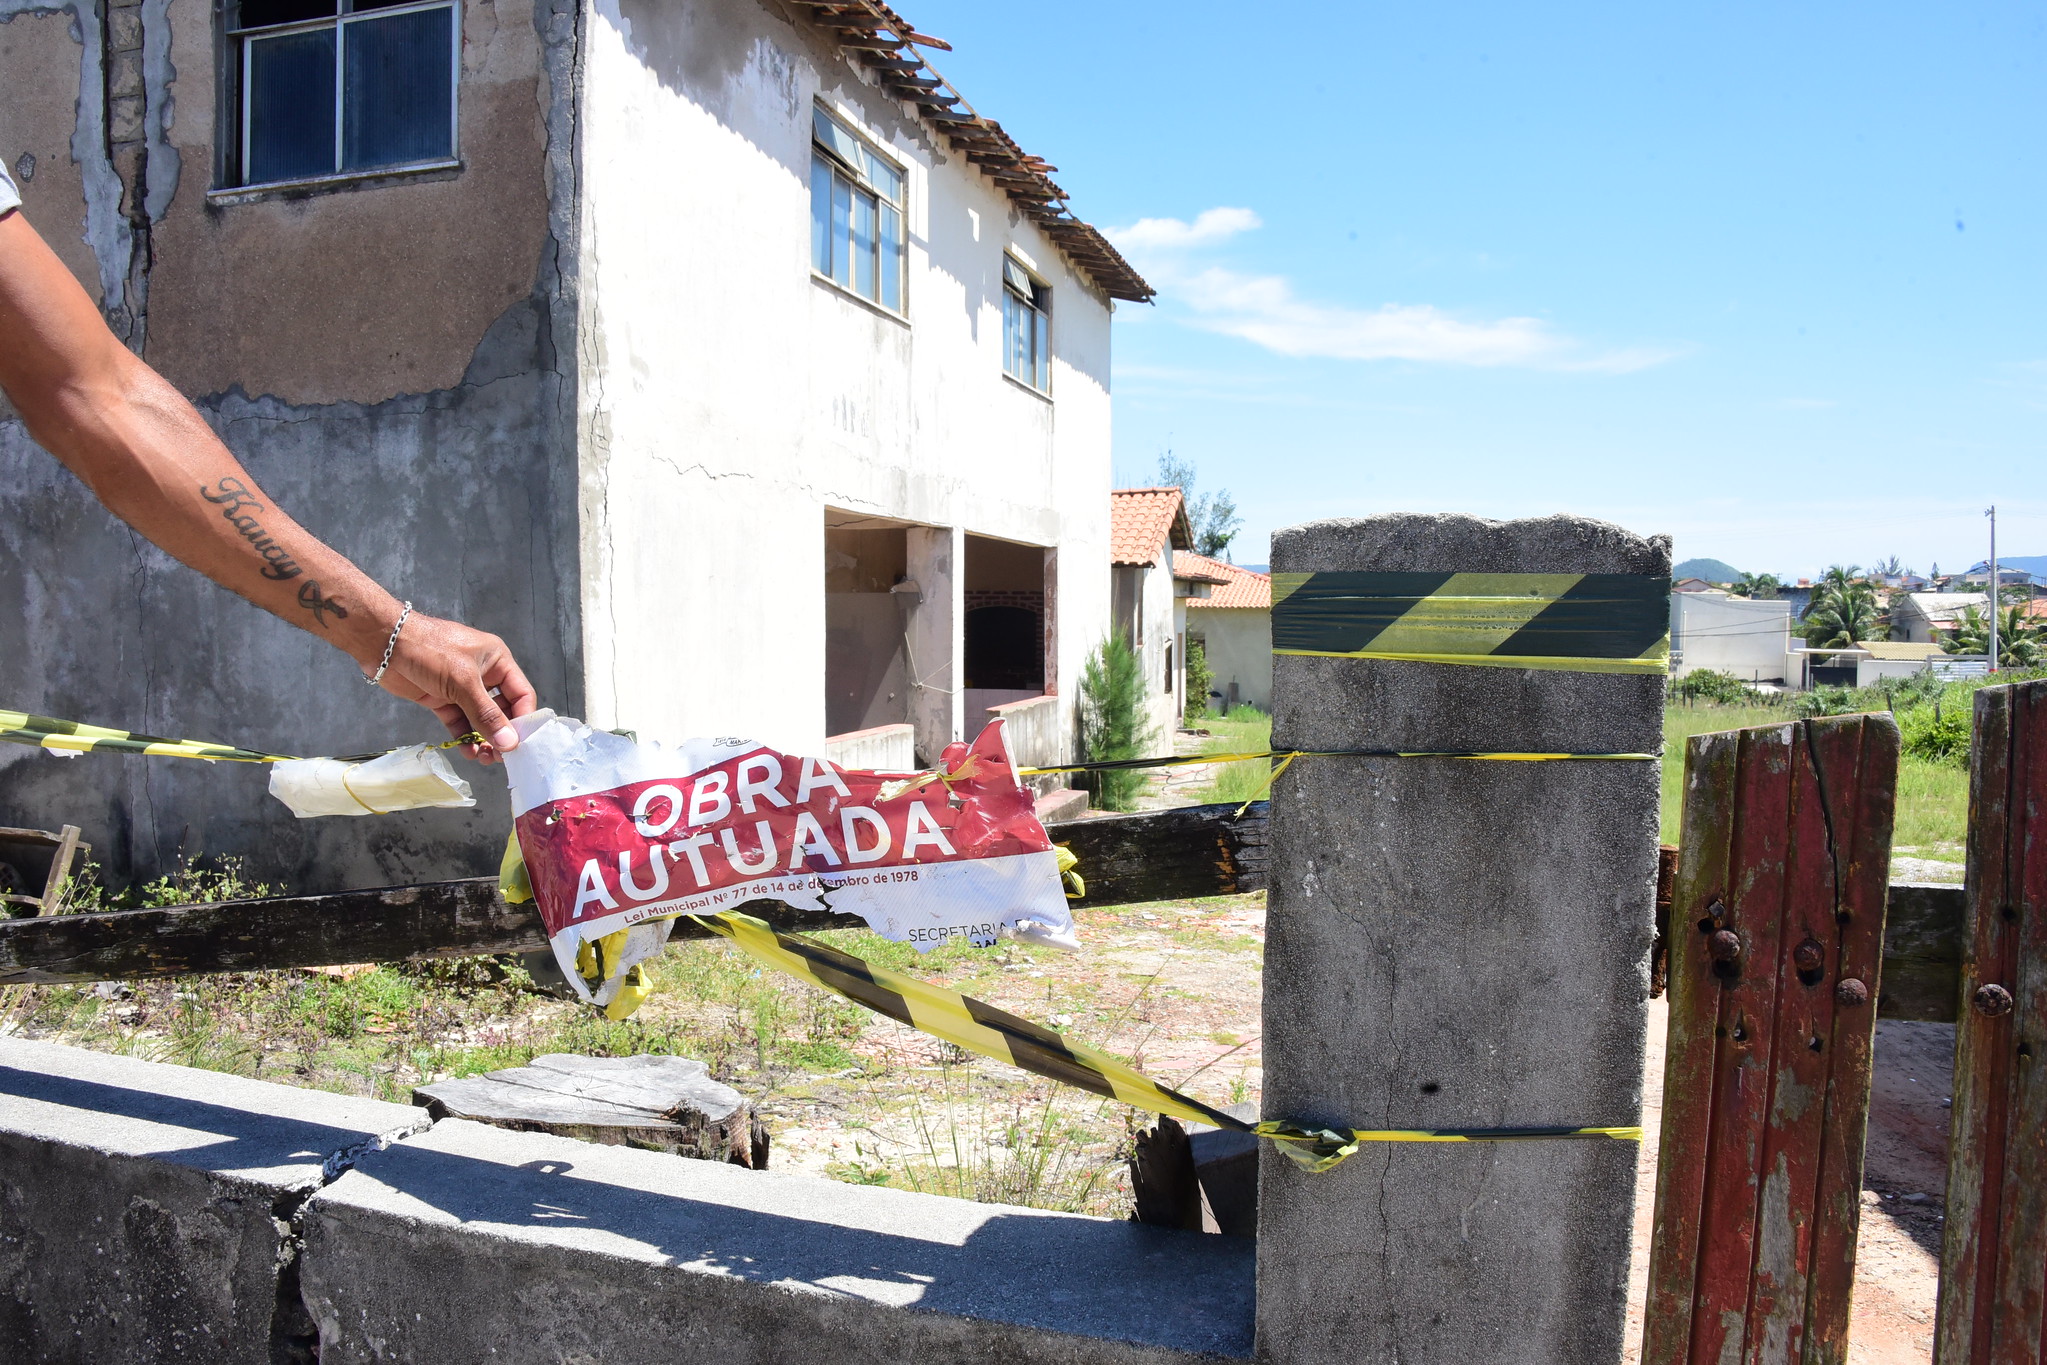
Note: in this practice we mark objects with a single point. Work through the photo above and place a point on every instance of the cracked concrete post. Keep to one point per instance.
(1456, 944)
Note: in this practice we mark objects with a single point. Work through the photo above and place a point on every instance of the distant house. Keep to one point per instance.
(1891, 659)
(1749, 638)
(1233, 622)
(1692, 585)
(1922, 617)
(1146, 526)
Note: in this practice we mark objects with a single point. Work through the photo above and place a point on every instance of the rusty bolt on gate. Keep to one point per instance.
(1851, 992)
(1991, 1001)
(1809, 956)
(1724, 945)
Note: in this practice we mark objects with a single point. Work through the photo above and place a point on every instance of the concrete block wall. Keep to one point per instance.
(154, 1213)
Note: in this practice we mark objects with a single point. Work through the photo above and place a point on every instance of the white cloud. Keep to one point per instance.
(1168, 234)
(1264, 310)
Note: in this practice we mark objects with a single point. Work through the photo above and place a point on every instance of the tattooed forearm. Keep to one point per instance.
(236, 502)
(312, 601)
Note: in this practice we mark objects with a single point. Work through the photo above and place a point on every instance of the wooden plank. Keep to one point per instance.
(1795, 1063)
(668, 1104)
(1747, 1000)
(1710, 764)
(1776, 936)
(1994, 1257)
(1850, 991)
(2022, 1244)
(1198, 851)
(1167, 855)
(1983, 1052)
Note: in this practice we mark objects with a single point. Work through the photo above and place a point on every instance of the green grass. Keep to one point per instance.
(1933, 797)
(1245, 730)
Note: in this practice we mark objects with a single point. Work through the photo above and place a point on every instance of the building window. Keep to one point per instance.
(856, 213)
(1026, 327)
(336, 87)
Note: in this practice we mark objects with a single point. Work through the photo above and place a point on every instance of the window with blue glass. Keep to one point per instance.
(339, 87)
(1026, 327)
(856, 213)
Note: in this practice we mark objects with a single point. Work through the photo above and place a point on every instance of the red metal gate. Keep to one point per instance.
(1993, 1289)
(1776, 939)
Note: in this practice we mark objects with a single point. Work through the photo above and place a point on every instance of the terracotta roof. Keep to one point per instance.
(1193, 568)
(1140, 520)
(886, 44)
(1241, 587)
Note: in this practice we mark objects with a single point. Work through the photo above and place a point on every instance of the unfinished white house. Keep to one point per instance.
(716, 353)
(1749, 638)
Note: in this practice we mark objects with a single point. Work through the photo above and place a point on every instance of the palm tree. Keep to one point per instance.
(1760, 586)
(2019, 639)
(1843, 613)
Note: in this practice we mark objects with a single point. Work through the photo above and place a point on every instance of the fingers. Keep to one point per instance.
(485, 716)
(515, 694)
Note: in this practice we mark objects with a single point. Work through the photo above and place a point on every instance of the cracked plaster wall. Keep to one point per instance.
(384, 359)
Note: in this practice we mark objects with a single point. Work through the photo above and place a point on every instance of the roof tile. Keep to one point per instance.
(1240, 587)
(1141, 520)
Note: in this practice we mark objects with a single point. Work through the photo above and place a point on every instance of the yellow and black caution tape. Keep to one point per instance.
(1587, 623)
(980, 1027)
(1287, 756)
(45, 732)
(19, 727)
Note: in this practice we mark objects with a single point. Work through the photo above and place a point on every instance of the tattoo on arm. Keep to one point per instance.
(236, 503)
(312, 601)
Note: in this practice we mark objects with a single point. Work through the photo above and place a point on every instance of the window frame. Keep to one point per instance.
(237, 49)
(858, 181)
(1016, 275)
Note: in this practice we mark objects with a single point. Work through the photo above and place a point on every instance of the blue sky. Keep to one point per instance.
(1767, 278)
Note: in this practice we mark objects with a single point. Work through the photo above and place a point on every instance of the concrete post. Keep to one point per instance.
(937, 564)
(1456, 944)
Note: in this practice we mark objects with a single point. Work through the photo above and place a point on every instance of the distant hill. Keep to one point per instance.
(2023, 563)
(1712, 570)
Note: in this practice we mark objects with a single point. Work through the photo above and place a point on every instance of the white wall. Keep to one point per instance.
(728, 398)
(1736, 635)
(1162, 614)
(1239, 648)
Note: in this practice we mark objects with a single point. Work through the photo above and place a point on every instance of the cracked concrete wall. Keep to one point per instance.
(153, 1213)
(728, 397)
(384, 358)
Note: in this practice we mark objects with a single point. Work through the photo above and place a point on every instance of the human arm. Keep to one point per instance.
(150, 458)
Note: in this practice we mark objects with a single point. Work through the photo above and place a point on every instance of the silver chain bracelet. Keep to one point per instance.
(375, 679)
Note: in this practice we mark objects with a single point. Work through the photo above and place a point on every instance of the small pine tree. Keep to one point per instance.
(1112, 721)
(1200, 677)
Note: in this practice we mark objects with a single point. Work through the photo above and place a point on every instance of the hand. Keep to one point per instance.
(465, 676)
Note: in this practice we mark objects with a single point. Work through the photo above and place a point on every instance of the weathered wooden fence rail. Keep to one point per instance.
(1198, 851)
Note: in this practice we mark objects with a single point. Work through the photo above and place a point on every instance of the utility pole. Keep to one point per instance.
(1991, 512)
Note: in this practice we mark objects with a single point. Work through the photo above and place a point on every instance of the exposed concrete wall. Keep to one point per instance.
(152, 1213)
(1456, 944)
(391, 362)
(729, 397)
(358, 295)
(1238, 645)
(149, 1213)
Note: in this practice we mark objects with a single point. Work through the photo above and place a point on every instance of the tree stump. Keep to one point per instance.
(664, 1104)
